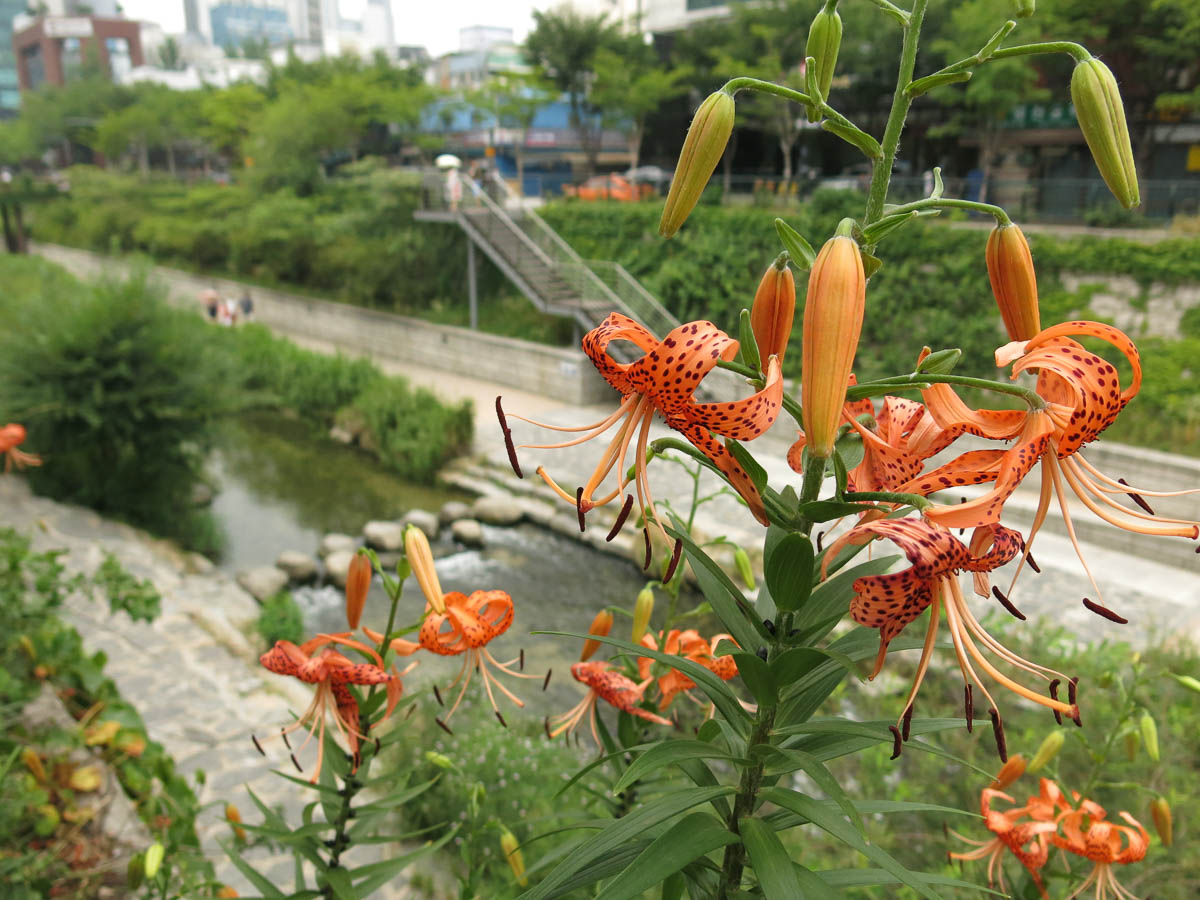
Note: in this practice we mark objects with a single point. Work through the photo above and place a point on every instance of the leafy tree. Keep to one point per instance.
(296, 135)
(135, 128)
(631, 84)
(227, 115)
(563, 45)
(170, 55)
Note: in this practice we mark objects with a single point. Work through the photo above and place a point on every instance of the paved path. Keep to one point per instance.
(192, 674)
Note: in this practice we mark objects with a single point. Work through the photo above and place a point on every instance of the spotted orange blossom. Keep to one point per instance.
(1086, 831)
(890, 602)
(1082, 396)
(12, 436)
(316, 662)
(663, 380)
(690, 645)
(1026, 841)
(459, 624)
(603, 683)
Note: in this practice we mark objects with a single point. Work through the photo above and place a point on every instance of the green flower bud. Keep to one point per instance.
(439, 759)
(642, 608)
(1132, 742)
(824, 41)
(154, 858)
(1149, 735)
(1049, 748)
(1024, 8)
(742, 560)
(702, 148)
(135, 872)
(1102, 119)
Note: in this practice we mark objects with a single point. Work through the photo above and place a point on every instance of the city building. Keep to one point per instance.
(236, 24)
(484, 52)
(52, 49)
(10, 97)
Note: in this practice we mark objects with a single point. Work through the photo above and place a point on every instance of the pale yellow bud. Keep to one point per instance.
(702, 149)
(512, 852)
(420, 557)
(642, 609)
(1049, 748)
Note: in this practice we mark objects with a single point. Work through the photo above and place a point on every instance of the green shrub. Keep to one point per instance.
(117, 392)
(412, 431)
(280, 619)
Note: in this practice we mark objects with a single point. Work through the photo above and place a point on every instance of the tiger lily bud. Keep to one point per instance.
(358, 583)
(234, 818)
(824, 41)
(135, 872)
(1049, 748)
(702, 149)
(1010, 270)
(601, 625)
(439, 759)
(642, 608)
(1160, 812)
(512, 852)
(833, 315)
(1009, 772)
(154, 858)
(420, 557)
(1132, 742)
(741, 559)
(1149, 735)
(1101, 117)
(773, 309)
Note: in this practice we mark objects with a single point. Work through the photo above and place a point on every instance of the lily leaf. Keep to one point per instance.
(688, 839)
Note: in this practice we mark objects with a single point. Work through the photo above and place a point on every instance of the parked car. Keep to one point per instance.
(609, 187)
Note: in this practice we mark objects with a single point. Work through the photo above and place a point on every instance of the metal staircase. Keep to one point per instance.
(537, 260)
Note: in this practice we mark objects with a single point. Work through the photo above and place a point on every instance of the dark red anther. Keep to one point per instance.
(621, 517)
(546, 681)
(646, 535)
(508, 441)
(1007, 604)
(1032, 564)
(969, 707)
(378, 744)
(821, 535)
(1054, 696)
(1071, 689)
(501, 718)
(286, 742)
(1104, 612)
(296, 763)
(897, 743)
(408, 715)
(998, 731)
(1136, 498)
(258, 746)
(438, 695)
(906, 722)
(521, 657)
(579, 507)
(546, 726)
(674, 561)
(442, 725)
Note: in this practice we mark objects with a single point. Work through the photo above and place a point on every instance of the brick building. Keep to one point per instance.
(51, 49)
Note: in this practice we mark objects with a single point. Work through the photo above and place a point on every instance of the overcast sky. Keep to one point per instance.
(431, 23)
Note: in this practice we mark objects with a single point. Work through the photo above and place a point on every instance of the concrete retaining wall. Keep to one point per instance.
(567, 375)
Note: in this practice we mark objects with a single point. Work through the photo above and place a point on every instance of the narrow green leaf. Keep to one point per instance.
(252, 874)
(929, 82)
(800, 250)
(877, 231)
(771, 862)
(619, 831)
(672, 888)
(783, 761)
(871, 264)
(375, 875)
(845, 878)
(788, 571)
(340, 883)
(757, 677)
(665, 754)
(737, 614)
(753, 468)
(860, 139)
(748, 343)
(691, 837)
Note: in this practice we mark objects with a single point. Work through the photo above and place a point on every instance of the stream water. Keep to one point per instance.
(282, 487)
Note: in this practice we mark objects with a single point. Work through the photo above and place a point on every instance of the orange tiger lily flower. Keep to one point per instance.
(1083, 397)
(457, 624)
(12, 435)
(663, 380)
(315, 662)
(890, 602)
(603, 683)
(690, 645)
(1024, 840)
(1085, 831)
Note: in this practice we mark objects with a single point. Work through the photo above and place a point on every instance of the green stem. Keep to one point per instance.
(1078, 52)
(747, 797)
(746, 83)
(810, 487)
(892, 10)
(881, 176)
(948, 203)
(914, 500)
(867, 389)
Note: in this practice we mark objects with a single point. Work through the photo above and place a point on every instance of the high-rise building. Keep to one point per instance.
(191, 17)
(10, 100)
(53, 49)
(233, 24)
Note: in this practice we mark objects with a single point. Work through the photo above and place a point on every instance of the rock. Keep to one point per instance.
(262, 582)
(332, 543)
(197, 564)
(468, 532)
(337, 565)
(536, 511)
(452, 511)
(300, 567)
(497, 510)
(388, 560)
(341, 435)
(426, 521)
(383, 535)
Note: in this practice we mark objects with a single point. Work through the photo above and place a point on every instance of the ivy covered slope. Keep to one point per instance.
(934, 292)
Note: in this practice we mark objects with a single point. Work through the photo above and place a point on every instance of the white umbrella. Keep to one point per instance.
(448, 161)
